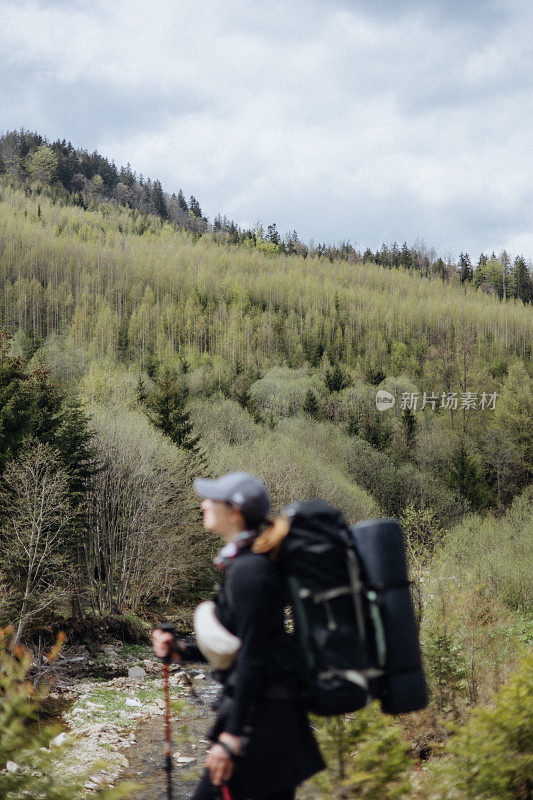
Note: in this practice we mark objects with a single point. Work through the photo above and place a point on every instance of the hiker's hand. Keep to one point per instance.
(163, 644)
(219, 764)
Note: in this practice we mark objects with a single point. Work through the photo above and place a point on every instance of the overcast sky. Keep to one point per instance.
(369, 120)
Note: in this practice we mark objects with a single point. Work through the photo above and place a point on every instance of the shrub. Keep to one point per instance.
(32, 764)
(371, 760)
(491, 757)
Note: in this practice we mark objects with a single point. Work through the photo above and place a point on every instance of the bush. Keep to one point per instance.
(32, 764)
(491, 757)
(372, 761)
(282, 391)
(498, 551)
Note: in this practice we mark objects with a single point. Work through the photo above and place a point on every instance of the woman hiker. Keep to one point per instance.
(263, 746)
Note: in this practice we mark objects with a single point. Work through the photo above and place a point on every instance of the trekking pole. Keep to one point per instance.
(226, 794)
(167, 626)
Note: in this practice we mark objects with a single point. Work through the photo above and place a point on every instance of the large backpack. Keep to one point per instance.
(352, 610)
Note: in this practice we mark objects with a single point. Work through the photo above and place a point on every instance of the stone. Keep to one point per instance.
(58, 740)
(133, 702)
(12, 767)
(136, 672)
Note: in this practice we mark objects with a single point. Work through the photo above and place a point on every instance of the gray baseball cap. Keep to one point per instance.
(240, 489)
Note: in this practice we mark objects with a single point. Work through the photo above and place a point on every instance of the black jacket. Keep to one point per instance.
(261, 697)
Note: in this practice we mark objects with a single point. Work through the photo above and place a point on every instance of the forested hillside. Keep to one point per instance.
(137, 354)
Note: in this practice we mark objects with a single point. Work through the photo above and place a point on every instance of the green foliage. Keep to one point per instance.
(336, 379)
(42, 164)
(371, 759)
(491, 757)
(310, 405)
(32, 765)
(498, 551)
(445, 661)
(167, 410)
(421, 530)
(466, 477)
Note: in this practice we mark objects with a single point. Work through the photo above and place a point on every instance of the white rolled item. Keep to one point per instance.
(214, 641)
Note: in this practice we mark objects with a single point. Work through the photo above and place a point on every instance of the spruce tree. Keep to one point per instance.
(167, 411)
(465, 268)
(523, 284)
(310, 405)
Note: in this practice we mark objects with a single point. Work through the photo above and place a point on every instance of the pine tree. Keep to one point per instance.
(465, 268)
(409, 425)
(523, 284)
(158, 200)
(182, 203)
(336, 379)
(16, 404)
(168, 411)
(466, 477)
(310, 405)
(194, 207)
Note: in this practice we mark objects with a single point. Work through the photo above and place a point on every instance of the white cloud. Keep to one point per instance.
(319, 116)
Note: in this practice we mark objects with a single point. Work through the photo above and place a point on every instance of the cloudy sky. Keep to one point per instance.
(373, 120)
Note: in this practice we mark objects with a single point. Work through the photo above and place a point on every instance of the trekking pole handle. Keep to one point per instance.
(168, 627)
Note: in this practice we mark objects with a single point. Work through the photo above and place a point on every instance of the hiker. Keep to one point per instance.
(263, 746)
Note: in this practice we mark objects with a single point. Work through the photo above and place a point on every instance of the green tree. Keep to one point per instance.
(523, 285)
(16, 404)
(445, 662)
(371, 759)
(42, 164)
(167, 410)
(466, 477)
(194, 207)
(465, 268)
(158, 200)
(491, 757)
(336, 379)
(409, 426)
(310, 405)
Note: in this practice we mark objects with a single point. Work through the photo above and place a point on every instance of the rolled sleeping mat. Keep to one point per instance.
(380, 547)
(404, 692)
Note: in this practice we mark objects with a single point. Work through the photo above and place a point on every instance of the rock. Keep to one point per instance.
(12, 767)
(109, 650)
(136, 672)
(133, 702)
(184, 761)
(160, 703)
(58, 740)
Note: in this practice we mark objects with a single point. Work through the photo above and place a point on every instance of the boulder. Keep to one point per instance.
(136, 672)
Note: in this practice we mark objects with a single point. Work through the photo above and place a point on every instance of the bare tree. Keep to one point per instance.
(143, 537)
(37, 518)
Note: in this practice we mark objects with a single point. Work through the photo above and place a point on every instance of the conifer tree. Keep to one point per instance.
(465, 268)
(182, 203)
(466, 477)
(194, 207)
(336, 379)
(167, 411)
(523, 285)
(310, 404)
